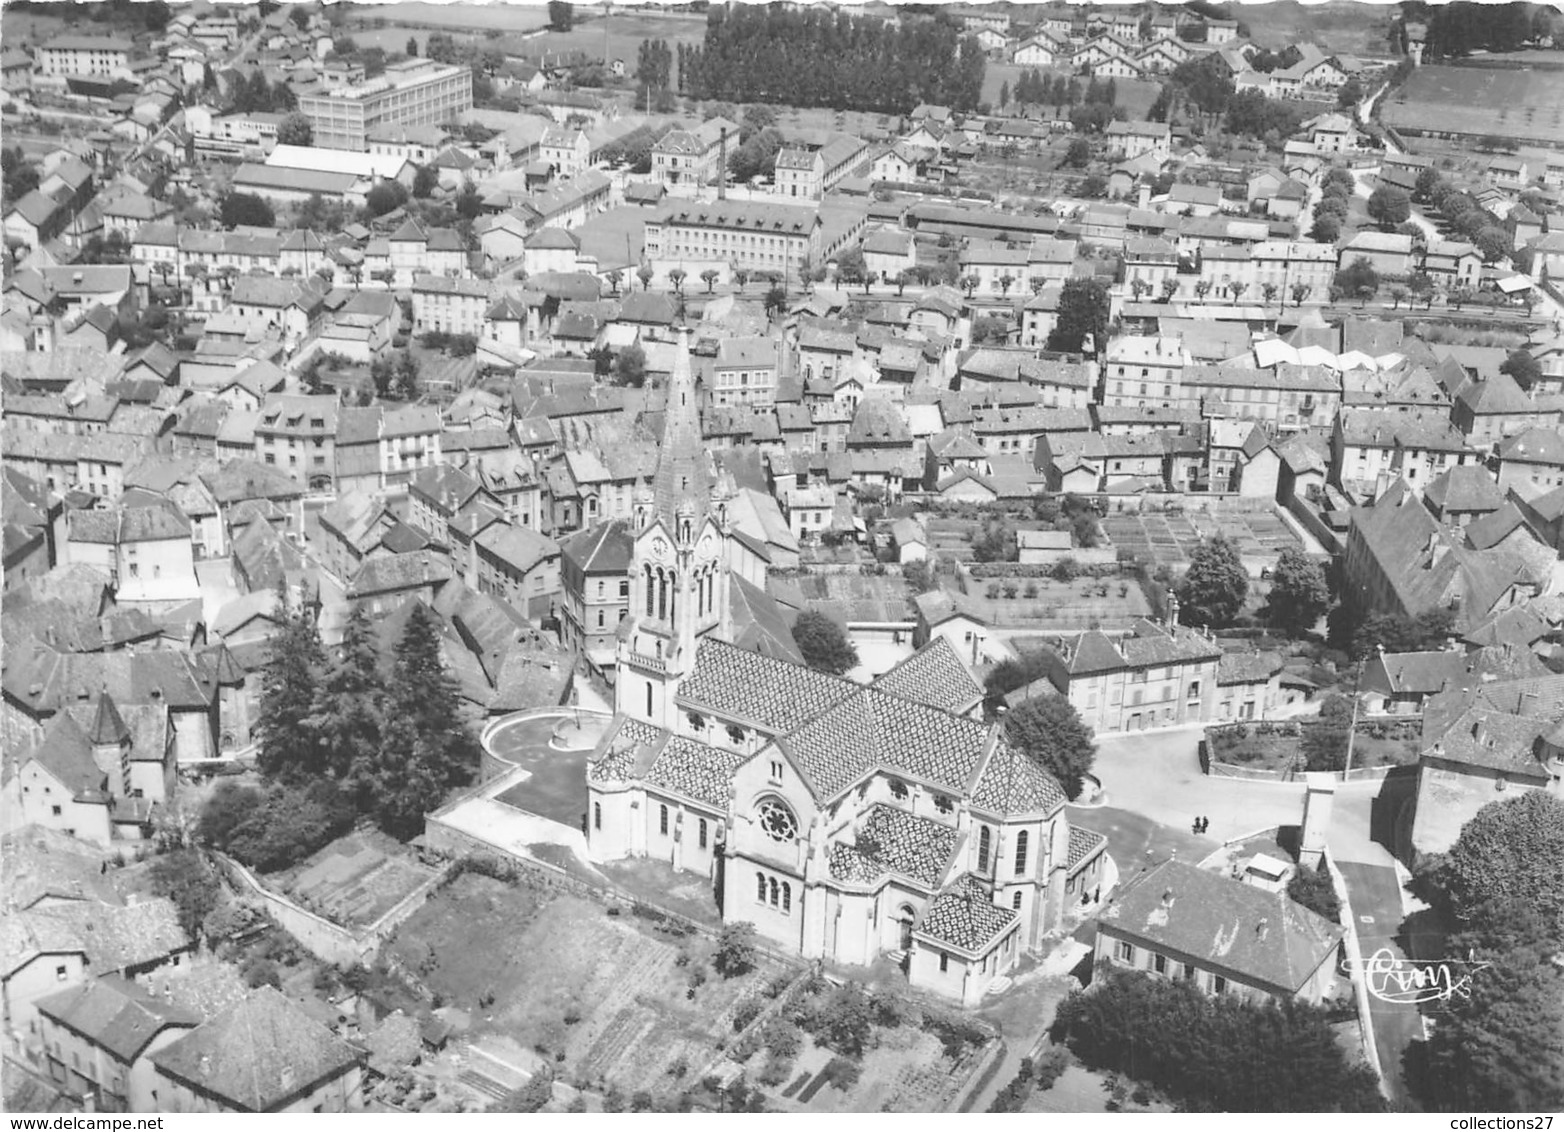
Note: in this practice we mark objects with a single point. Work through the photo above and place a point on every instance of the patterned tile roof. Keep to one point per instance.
(776, 694)
(873, 729)
(1084, 845)
(1014, 784)
(622, 749)
(965, 917)
(894, 841)
(697, 771)
(934, 675)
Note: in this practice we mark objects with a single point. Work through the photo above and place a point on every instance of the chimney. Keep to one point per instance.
(1167, 898)
(1480, 730)
(1260, 928)
(1145, 197)
(722, 164)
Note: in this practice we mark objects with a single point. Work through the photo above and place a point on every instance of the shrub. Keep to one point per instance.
(782, 1038)
(746, 1012)
(735, 953)
(775, 1071)
(1065, 570)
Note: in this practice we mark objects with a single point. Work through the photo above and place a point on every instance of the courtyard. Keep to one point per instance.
(556, 784)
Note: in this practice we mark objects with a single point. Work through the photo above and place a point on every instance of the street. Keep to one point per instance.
(1375, 894)
(1154, 789)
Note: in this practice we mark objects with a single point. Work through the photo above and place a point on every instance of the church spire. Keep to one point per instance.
(682, 483)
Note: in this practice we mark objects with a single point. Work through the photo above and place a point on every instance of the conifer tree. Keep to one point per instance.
(347, 710)
(426, 748)
(285, 741)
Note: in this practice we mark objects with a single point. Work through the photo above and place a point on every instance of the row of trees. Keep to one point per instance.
(1461, 28)
(819, 57)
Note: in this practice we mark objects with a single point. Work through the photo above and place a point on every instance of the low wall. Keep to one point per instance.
(1310, 520)
(322, 938)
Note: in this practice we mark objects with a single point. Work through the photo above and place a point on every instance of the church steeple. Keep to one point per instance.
(682, 482)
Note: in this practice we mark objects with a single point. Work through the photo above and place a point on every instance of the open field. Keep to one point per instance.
(1476, 100)
(609, 993)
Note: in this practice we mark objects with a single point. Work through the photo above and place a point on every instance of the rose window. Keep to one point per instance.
(777, 821)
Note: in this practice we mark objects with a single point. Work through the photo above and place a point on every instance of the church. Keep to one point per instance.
(845, 821)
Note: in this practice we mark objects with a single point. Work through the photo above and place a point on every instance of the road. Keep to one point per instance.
(1375, 893)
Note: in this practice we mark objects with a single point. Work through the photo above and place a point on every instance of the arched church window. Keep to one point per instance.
(985, 844)
(776, 820)
(787, 898)
(649, 589)
(1021, 839)
(648, 699)
(774, 893)
(760, 888)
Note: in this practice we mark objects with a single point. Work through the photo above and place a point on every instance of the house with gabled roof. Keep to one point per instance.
(1484, 740)
(264, 1054)
(1177, 921)
(1158, 675)
(97, 1039)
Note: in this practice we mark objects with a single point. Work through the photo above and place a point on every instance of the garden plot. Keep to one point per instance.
(607, 997)
(1044, 603)
(1170, 539)
(357, 879)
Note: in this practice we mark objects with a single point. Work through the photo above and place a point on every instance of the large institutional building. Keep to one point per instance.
(844, 821)
(415, 92)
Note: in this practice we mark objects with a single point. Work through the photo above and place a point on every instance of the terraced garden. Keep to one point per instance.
(615, 1000)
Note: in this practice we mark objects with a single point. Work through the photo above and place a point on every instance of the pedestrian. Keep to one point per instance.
(1194, 826)
(1205, 824)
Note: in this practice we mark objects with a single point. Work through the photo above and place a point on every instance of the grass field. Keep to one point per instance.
(1475, 100)
(521, 29)
(610, 994)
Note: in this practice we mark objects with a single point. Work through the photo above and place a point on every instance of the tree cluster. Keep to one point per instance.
(817, 56)
(1039, 88)
(1299, 593)
(1251, 114)
(1461, 28)
(1212, 592)
(21, 175)
(253, 94)
(1501, 888)
(1201, 86)
(1048, 730)
(1214, 1053)
(338, 738)
(1358, 280)
(1360, 632)
(1336, 189)
(237, 210)
(823, 643)
(1083, 317)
